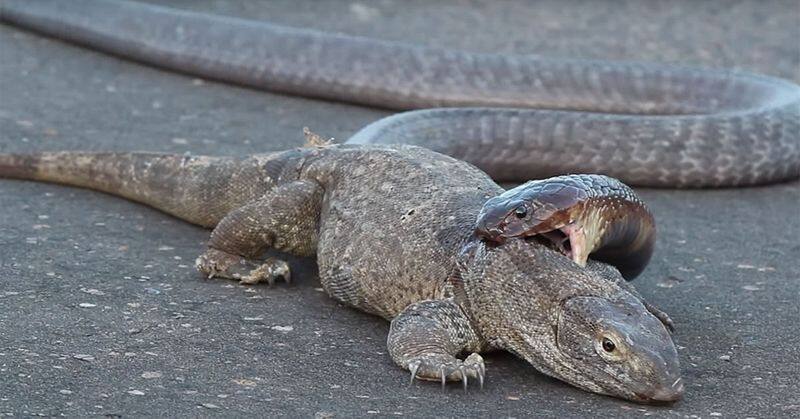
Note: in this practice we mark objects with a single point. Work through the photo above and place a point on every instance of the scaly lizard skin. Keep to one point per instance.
(392, 229)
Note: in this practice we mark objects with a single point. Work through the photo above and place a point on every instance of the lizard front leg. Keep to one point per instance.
(284, 219)
(426, 337)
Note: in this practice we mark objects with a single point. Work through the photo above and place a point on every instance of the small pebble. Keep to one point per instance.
(282, 328)
(669, 282)
(245, 382)
(151, 374)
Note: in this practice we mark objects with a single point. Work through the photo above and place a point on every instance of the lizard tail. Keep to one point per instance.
(17, 166)
(168, 182)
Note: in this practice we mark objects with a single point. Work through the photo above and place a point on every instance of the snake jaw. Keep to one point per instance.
(578, 244)
(571, 240)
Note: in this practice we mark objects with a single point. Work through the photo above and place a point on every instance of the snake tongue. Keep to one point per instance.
(579, 251)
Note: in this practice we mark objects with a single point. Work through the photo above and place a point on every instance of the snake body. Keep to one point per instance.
(515, 117)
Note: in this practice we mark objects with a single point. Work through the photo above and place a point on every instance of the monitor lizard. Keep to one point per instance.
(393, 232)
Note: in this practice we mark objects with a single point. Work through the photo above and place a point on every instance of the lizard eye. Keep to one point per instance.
(609, 345)
(521, 212)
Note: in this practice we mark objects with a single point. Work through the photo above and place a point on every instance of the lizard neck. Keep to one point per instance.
(455, 287)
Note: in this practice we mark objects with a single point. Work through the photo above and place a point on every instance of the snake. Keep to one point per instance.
(516, 117)
(580, 215)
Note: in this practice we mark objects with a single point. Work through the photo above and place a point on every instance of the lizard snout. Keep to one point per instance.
(666, 394)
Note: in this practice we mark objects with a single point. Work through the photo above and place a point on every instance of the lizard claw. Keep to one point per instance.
(268, 272)
(446, 368)
(662, 316)
(464, 376)
(413, 367)
(475, 363)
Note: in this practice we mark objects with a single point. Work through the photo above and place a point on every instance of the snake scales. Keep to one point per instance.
(516, 117)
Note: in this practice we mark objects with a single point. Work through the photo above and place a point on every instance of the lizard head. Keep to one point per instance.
(577, 324)
(619, 348)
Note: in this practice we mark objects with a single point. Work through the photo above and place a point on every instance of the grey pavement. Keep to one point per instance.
(101, 312)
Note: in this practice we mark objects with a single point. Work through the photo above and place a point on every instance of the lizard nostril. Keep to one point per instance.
(668, 394)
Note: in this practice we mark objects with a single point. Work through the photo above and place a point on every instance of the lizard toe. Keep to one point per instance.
(269, 271)
(445, 368)
(216, 263)
(662, 316)
(475, 367)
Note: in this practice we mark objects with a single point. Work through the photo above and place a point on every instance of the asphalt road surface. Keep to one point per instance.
(101, 312)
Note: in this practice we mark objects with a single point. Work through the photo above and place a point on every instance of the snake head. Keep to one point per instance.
(545, 208)
(579, 215)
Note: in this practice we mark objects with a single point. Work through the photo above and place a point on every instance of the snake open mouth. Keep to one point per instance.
(559, 240)
(570, 240)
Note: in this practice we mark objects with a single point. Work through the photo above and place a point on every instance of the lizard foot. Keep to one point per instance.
(216, 263)
(660, 315)
(445, 368)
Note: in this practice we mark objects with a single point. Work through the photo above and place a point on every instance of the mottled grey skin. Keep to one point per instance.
(646, 124)
(392, 230)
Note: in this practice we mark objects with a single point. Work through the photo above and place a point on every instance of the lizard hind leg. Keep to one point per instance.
(284, 219)
(426, 339)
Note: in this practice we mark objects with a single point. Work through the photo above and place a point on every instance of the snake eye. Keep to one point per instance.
(608, 345)
(521, 212)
